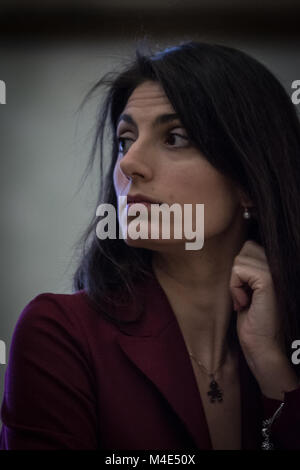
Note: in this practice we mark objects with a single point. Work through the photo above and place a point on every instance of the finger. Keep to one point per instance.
(244, 280)
(253, 249)
(249, 260)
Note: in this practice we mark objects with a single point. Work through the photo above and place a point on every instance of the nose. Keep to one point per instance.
(137, 162)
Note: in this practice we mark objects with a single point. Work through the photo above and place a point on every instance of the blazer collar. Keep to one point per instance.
(156, 346)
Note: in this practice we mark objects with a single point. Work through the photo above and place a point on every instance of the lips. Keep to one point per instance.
(144, 203)
(141, 198)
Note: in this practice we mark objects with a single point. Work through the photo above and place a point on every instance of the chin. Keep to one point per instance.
(162, 245)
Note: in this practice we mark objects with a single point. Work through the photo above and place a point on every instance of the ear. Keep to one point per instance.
(245, 201)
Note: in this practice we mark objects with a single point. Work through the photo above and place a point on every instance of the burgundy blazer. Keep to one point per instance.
(75, 380)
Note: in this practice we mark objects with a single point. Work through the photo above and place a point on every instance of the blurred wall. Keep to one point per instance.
(49, 60)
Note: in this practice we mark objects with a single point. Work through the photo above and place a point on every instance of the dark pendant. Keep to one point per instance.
(215, 392)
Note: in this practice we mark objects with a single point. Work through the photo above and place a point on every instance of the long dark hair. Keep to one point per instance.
(243, 121)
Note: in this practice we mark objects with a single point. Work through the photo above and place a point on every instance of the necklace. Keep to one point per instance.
(215, 393)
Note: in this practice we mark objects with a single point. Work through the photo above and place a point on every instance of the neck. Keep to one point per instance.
(197, 287)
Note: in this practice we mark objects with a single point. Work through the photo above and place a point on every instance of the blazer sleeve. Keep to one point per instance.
(285, 431)
(48, 400)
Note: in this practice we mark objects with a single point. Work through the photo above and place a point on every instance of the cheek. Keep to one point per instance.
(195, 184)
(207, 186)
(119, 178)
(220, 208)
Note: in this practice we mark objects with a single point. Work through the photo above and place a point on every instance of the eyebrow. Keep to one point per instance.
(161, 119)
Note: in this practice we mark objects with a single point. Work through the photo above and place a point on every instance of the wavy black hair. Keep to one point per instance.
(243, 121)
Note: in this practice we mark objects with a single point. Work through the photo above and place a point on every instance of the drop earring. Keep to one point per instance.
(246, 214)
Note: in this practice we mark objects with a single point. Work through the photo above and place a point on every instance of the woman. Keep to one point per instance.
(161, 347)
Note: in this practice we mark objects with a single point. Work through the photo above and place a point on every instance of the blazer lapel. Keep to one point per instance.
(251, 406)
(156, 346)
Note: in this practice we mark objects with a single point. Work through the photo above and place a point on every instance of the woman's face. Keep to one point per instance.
(157, 160)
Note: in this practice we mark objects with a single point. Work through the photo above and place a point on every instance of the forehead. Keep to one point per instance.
(149, 95)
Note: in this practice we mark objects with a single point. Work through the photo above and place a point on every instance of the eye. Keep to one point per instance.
(173, 137)
(121, 144)
(175, 140)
